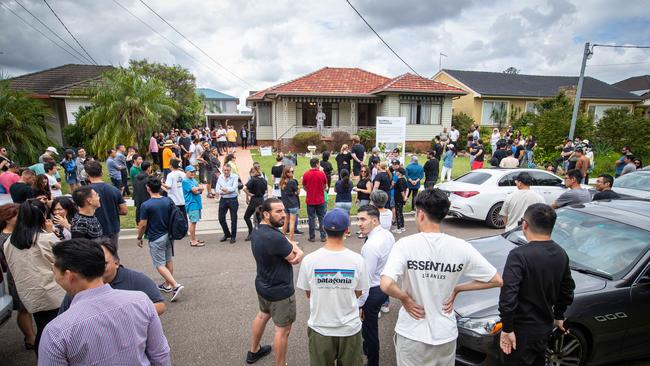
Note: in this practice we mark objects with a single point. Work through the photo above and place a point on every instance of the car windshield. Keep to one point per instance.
(473, 178)
(639, 181)
(596, 244)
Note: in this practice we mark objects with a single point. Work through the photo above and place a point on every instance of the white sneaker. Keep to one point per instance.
(396, 231)
(379, 315)
(385, 309)
(403, 230)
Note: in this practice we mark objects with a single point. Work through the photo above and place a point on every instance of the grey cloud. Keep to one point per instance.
(388, 15)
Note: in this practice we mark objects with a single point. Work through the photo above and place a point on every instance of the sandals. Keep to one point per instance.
(199, 243)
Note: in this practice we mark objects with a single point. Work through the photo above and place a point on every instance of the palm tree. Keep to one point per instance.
(126, 110)
(23, 124)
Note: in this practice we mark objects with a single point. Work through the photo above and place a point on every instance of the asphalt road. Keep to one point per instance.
(210, 323)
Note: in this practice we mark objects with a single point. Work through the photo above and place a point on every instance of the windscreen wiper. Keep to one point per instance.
(593, 272)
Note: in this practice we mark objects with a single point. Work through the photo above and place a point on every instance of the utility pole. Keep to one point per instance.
(576, 106)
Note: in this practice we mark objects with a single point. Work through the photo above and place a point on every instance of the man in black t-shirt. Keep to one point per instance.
(528, 311)
(437, 147)
(22, 190)
(112, 203)
(358, 154)
(604, 185)
(431, 170)
(274, 255)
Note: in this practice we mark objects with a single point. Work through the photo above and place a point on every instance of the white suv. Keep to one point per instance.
(479, 194)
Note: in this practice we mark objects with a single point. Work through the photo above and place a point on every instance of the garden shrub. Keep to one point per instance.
(303, 139)
(368, 138)
(339, 138)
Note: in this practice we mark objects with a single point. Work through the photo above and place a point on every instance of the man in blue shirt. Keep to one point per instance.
(115, 170)
(154, 219)
(414, 174)
(227, 188)
(193, 205)
(620, 163)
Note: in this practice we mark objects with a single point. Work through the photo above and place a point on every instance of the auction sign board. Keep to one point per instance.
(391, 135)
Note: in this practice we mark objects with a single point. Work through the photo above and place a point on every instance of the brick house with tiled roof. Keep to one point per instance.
(351, 99)
(60, 88)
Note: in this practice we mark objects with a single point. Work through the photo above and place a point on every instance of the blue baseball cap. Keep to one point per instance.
(336, 220)
(190, 168)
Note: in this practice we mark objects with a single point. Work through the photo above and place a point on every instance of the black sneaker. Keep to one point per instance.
(312, 240)
(162, 287)
(254, 357)
(248, 238)
(224, 239)
(322, 240)
(177, 291)
(298, 232)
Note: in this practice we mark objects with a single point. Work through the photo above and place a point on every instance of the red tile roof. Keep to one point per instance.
(414, 83)
(354, 81)
(46, 81)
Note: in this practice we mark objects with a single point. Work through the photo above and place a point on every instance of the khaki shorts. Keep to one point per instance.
(283, 312)
(325, 350)
(414, 353)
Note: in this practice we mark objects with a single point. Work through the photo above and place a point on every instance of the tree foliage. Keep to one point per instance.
(553, 121)
(127, 108)
(23, 124)
(180, 85)
(462, 121)
(73, 134)
(511, 70)
(619, 127)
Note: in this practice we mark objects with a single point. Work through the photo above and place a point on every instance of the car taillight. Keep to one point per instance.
(466, 194)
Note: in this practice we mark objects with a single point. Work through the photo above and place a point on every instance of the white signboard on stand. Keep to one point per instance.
(391, 135)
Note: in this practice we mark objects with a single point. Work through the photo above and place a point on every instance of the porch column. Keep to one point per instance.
(353, 116)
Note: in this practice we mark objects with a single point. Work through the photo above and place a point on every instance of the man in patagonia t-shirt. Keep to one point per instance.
(428, 265)
(334, 278)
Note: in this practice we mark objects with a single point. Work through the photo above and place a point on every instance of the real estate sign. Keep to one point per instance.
(391, 135)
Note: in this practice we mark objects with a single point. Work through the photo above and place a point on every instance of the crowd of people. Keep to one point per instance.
(52, 243)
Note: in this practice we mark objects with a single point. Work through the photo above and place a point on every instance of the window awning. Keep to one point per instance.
(415, 97)
(329, 99)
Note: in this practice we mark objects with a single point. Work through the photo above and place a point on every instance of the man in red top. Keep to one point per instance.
(314, 182)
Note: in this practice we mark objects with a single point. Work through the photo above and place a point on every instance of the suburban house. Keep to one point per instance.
(494, 98)
(219, 108)
(638, 85)
(351, 99)
(59, 88)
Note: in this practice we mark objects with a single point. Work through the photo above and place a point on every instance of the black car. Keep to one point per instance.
(608, 245)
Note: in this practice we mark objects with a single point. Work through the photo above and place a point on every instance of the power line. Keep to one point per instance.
(621, 64)
(43, 34)
(165, 38)
(86, 60)
(70, 33)
(194, 44)
(377, 34)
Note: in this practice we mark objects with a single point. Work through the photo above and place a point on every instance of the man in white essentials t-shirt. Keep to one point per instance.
(429, 265)
(517, 202)
(174, 185)
(334, 277)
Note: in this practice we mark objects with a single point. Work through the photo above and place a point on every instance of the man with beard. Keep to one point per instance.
(274, 255)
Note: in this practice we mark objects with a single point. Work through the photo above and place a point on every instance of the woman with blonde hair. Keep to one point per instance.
(290, 199)
(343, 159)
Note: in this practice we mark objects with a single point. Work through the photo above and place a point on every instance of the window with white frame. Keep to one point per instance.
(421, 112)
(495, 112)
(531, 107)
(264, 114)
(597, 111)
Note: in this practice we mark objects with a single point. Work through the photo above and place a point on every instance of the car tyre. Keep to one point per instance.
(494, 218)
(567, 349)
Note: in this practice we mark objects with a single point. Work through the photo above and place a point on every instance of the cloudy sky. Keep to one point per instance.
(266, 42)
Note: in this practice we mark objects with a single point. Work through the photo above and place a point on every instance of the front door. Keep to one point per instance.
(366, 114)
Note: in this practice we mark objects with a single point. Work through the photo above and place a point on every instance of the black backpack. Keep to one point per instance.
(177, 223)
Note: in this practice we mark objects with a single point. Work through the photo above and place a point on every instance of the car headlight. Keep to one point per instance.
(484, 326)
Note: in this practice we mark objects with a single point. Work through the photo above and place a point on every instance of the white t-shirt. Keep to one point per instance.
(221, 133)
(386, 219)
(51, 181)
(429, 265)
(193, 154)
(454, 135)
(175, 183)
(332, 277)
(516, 204)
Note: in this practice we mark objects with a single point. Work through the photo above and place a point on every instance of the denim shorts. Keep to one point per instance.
(194, 216)
(160, 250)
(293, 211)
(347, 206)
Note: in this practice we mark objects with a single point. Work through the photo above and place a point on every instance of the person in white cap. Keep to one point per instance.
(48, 153)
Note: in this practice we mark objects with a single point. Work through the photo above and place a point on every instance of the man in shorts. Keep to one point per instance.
(274, 255)
(193, 203)
(154, 219)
